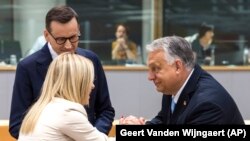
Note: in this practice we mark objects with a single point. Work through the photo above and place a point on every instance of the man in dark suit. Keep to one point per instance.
(190, 94)
(62, 35)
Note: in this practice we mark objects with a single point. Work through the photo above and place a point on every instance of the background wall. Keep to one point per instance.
(29, 20)
(132, 94)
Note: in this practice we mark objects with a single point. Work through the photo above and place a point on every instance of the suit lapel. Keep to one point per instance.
(186, 95)
(43, 61)
(179, 108)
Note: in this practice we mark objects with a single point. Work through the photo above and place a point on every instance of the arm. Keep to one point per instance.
(158, 119)
(130, 54)
(131, 50)
(206, 113)
(104, 112)
(155, 120)
(120, 48)
(21, 100)
(76, 125)
(115, 48)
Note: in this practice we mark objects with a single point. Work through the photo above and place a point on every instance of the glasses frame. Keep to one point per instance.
(65, 39)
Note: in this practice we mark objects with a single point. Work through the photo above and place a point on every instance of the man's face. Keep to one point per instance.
(69, 30)
(164, 75)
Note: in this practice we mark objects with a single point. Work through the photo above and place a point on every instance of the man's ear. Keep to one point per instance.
(178, 65)
(46, 34)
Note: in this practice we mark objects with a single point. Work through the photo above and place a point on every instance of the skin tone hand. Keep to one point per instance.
(121, 43)
(122, 46)
(132, 120)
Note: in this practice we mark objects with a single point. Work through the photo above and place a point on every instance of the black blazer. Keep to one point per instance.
(202, 101)
(30, 74)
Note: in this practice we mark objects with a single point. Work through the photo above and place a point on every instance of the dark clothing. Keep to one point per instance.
(30, 75)
(202, 101)
(201, 53)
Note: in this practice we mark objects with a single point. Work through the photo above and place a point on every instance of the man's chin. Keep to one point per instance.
(159, 89)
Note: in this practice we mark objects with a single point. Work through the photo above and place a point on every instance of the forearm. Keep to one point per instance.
(21, 100)
(130, 54)
(105, 113)
(115, 52)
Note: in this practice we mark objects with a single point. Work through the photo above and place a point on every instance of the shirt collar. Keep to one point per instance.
(176, 97)
(52, 52)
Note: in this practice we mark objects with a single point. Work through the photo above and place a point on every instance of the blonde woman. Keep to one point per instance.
(62, 33)
(59, 114)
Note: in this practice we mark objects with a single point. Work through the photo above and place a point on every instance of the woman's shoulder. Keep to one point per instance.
(66, 105)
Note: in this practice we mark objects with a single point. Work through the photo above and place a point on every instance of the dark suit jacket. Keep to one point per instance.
(202, 101)
(30, 74)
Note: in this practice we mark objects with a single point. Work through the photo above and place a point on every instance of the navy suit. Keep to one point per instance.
(202, 101)
(30, 74)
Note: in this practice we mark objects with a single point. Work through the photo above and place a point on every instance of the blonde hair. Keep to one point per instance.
(70, 76)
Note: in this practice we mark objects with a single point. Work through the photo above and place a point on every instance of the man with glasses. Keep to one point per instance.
(62, 35)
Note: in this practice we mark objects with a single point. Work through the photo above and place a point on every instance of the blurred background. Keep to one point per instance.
(22, 22)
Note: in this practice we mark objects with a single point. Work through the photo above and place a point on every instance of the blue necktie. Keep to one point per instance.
(172, 105)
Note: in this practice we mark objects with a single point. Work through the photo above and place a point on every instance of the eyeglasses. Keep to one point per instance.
(62, 40)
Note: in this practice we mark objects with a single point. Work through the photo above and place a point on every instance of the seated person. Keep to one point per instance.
(191, 96)
(201, 44)
(122, 47)
(40, 41)
(58, 113)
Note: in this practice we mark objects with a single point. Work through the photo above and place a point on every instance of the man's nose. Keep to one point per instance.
(68, 44)
(151, 76)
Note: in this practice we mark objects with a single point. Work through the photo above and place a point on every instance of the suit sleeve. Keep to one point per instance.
(206, 113)
(104, 112)
(159, 118)
(21, 100)
(76, 126)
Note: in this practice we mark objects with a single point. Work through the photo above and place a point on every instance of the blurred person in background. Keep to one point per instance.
(201, 43)
(123, 48)
(39, 43)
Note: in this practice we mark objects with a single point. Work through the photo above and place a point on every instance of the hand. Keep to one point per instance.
(132, 120)
(121, 41)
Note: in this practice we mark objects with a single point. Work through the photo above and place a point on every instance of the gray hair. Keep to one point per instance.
(174, 47)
